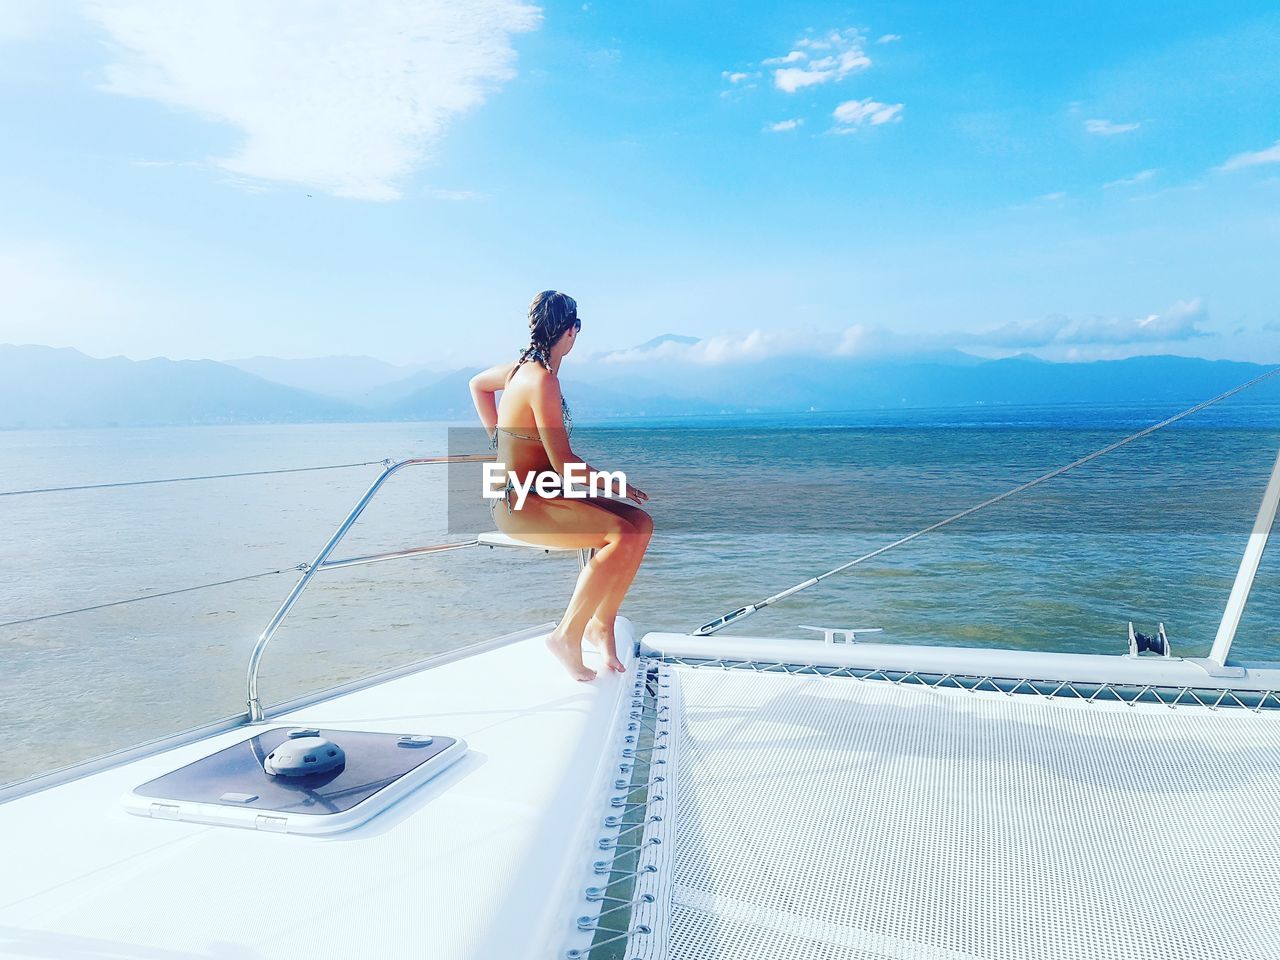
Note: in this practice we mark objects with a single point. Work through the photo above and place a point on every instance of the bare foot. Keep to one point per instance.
(569, 653)
(600, 636)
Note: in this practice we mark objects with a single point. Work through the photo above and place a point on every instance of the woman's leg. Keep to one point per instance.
(600, 627)
(612, 564)
(575, 524)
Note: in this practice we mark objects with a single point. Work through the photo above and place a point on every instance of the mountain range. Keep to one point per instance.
(61, 387)
(363, 380)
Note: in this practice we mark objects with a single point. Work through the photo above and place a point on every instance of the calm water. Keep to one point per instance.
(1153, 532)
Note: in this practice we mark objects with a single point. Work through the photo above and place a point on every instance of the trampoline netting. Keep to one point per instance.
(833, 818)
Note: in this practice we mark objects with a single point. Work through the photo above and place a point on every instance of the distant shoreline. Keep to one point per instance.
(1255, 413)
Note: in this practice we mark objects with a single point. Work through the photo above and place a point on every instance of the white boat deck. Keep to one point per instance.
(801, 814)
(484, 861)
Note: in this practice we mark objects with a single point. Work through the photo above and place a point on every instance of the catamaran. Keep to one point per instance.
(808, 796)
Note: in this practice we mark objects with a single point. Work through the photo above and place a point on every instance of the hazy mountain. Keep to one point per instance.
(41, 386)
(591, 401)
(352, 378)
(47, 387)
(668, 338)
(841, 383)
(599, 387)
(447, 398)
(652, 347)
(394, 393)
(671, 350)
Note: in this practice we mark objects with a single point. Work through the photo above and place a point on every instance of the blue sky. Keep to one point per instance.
(223, 179)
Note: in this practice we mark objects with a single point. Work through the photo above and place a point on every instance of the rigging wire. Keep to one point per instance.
(140, 483)
(741, 613)
(148, 596)
(208, 476)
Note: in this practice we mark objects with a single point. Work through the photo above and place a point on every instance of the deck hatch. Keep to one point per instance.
(231, 786)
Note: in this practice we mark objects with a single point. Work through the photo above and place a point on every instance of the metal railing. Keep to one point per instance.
(322, 562)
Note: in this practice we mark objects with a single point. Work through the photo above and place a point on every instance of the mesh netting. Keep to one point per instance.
(835, 818)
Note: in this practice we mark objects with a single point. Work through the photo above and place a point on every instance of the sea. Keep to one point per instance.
(745, 506)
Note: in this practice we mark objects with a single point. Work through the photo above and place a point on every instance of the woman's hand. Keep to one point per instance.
(636, 494)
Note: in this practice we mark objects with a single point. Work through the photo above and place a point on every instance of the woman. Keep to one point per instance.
(530, 428)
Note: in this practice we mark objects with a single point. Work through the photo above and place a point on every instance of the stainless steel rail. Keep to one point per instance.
(322, 562)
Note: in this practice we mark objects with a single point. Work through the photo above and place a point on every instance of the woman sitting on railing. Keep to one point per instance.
(530, 428)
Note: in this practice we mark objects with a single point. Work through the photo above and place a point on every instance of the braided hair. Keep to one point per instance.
(551, 314)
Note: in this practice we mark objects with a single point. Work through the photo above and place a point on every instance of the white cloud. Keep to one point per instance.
(858, 339)
(729, 348)
(736, 78)
(1182, 321)
(889, 38)
(857, 113)
(1253, 158)
(1054, 197)
(861, 340)
(782, 126)
(842, 54)
(1140, 177)
(796, 78)
(1106, 128)
(345, 98)
(792, 57)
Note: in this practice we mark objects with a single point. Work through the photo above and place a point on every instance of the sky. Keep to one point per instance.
(230, 178)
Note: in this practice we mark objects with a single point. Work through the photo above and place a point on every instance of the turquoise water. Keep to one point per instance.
(744, 508)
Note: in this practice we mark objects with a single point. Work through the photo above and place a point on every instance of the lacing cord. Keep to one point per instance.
(640, 789)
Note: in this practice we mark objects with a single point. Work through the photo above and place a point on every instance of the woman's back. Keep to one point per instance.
(519, 440)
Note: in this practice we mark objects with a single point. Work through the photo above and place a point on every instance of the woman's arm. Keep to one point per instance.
(549, 416)
(484, 390)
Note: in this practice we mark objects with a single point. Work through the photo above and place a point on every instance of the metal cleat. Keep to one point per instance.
(845, 634)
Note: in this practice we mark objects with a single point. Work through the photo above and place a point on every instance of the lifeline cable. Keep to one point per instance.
(210, 476)
(741, 613)
(145, 596)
